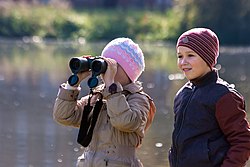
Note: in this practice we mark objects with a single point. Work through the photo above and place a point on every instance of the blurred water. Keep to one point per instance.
(31, 72)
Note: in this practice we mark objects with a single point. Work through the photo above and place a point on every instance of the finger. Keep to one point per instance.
(110, 60)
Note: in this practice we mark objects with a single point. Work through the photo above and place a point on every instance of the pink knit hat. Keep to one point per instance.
(127, 54)
(203, 41)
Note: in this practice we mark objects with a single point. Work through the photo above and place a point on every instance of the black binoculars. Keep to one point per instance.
(96, 65)
(81, 64)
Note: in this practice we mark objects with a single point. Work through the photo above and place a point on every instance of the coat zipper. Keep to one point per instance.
(182, 121)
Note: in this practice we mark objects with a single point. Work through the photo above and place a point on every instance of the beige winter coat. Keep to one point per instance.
(119, 129)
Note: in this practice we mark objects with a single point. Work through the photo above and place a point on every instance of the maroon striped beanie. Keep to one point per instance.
(202, 41)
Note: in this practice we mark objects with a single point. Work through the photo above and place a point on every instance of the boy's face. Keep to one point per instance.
(191, 64)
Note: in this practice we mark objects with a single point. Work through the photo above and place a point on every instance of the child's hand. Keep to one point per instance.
(83, 101)
(110, 73)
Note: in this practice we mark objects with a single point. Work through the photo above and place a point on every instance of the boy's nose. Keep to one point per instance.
(183, 61)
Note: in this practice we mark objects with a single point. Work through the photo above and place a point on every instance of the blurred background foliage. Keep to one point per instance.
(141, 20)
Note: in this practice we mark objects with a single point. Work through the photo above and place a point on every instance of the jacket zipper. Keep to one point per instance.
(179, 131)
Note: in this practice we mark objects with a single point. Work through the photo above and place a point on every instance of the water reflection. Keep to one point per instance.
(30, 74)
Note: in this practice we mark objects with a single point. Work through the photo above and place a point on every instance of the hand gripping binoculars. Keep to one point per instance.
(96, 65)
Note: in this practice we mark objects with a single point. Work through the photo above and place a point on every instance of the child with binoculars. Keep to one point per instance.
(114, 117)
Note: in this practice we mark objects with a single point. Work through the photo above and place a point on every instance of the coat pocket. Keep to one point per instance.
(218, 149)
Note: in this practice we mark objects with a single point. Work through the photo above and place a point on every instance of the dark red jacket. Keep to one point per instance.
(210, 127)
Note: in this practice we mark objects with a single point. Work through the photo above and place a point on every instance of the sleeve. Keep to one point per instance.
(231, 116)
(67, 109)
(128, 114)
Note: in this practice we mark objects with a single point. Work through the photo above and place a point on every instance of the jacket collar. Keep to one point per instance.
(206, 79)
(133, 87)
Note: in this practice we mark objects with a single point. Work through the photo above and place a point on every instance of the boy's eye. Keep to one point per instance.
(179, 56)
(190, 55)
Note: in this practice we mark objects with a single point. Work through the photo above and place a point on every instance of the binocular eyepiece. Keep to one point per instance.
(96, 65)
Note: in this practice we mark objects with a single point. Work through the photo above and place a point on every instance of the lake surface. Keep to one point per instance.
(32, 70)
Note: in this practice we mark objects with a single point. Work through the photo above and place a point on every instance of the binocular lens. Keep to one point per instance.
(96, 66)
(92, 82)
(78, 64)
(73, 79)
(99, 66)
(75, 65)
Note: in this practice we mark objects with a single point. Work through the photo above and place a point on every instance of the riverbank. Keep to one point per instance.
(62, 22)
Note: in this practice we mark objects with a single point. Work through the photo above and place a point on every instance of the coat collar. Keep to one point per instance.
(133, 87)
(206, 79)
